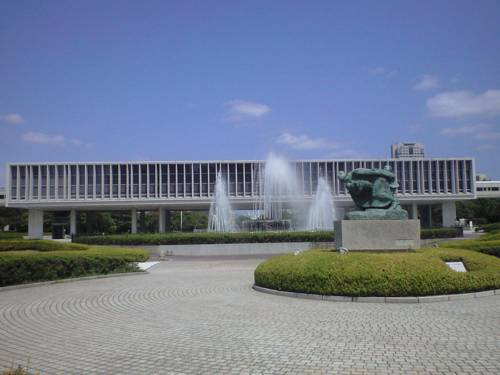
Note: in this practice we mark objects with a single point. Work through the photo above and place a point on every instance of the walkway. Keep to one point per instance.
(202, 317)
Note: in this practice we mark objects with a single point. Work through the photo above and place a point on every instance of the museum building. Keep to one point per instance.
(428, 187)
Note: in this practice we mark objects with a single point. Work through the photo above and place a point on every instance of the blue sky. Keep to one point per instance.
(165, 80)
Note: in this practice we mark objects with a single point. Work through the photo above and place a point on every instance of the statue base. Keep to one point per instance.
(378, 214)
(377, 235)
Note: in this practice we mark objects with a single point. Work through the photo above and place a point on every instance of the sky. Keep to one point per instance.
(194, 80)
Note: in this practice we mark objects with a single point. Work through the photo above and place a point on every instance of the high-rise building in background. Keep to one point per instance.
(407, 150)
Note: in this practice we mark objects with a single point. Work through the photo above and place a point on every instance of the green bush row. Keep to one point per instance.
(10, 235)
(486, 247)
(493, 227)
(17, 267)
(205, 238)
(177, 238)
(438, 233)
(379, 274)
(39, 245)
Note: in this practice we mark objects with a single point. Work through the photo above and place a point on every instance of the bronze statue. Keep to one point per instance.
(373, 192)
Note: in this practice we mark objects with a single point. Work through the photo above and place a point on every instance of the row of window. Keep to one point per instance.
(492, 188)
(174, 180)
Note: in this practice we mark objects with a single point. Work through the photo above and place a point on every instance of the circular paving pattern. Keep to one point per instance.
(202, 317)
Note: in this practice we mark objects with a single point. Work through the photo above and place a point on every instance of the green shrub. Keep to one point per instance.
(490, 236)
(438, 233)
(39, 245)
(10, 235)
(493, 227)
(205, 238)
(18, 267)
(486, 247)
(379, 274)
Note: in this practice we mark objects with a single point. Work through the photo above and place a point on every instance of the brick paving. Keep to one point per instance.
(202, 317)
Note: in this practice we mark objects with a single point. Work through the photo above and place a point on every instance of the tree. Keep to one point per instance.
(486, 210)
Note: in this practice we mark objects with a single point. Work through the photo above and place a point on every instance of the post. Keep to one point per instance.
(35, 224)
(161, 220)
(449, 213)
(72, 223)
(133, 227)
(181, 220)
(414, 211)
(167, 220)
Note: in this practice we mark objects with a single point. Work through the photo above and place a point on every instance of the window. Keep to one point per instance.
(204, 179)
(60, 182)
(248, 179)
(81, 183)
(189, 180)
(143, 170)
(164, 180)
(152, 180)
(90, 181)
(52, 181)
(123, 180)
(307, 179)
(239, 175)
(211, 176)
(180, 179)
(22, 181)
(172, 179)
(196, 179)
(135, 181)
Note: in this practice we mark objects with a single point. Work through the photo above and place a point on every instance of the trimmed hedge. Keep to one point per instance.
(179, 238)
(205, 238)
(10, 235)
(17, 267)
(486, 247)
(379, 274)
(493, 227)
(438, 233)
(39, 245)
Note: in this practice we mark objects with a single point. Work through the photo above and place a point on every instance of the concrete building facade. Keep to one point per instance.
(407, 150)
(424, 185)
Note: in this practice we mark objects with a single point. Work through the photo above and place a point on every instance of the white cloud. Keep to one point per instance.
(427, 82)
(477, 131)
(12, 118)
(75, 142)
(304, 142)
(348, 153)
(382, 71)
(42, 138)
(239, 110)
(463, 130)
(464, 103)
(415, 128)
(486, 147)
(487, 135)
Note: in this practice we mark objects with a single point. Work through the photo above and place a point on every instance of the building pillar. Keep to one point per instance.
(133, 227)
(414, 211)
(161, 220)
(167, 220)
(429, 212)
(449, 213)
(72, 222)
(35, 224)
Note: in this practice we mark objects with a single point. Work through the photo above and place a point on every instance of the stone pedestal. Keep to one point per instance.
(377, 235)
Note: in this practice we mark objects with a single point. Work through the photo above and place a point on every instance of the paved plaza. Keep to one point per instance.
(202, 317)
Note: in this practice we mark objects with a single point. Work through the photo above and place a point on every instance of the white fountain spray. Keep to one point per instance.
(322, 211)
(277, 185)
(220, 217)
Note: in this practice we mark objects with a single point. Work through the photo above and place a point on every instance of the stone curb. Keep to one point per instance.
(422, 299)
(70, 280)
